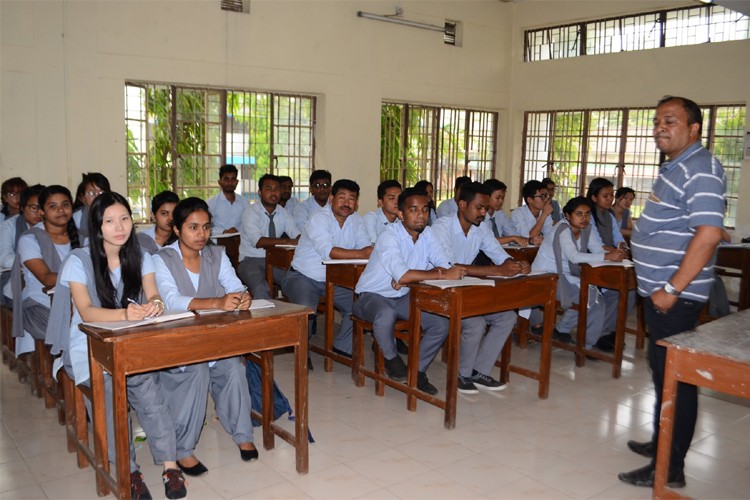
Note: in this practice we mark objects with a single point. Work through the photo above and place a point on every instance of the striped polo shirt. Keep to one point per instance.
(689, 193)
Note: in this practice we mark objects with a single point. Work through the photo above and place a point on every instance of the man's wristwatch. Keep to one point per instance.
(671, 290)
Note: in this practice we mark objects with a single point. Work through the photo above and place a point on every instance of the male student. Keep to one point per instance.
(550, 186)
(462, 236)
(533, 220)
(450, 206)
(320, 192)
(496, 220)
(387, 213)
(333, 232)
(264, 224)
(226, 207)
(287, 200)
(405, 253)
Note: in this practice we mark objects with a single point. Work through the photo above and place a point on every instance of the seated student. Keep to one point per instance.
(387, 212)
(624, 197)
(41, 251)
(320, 192)
(264, 224)
(336, 232)
(533, 220)
(550, 186)
(569, 245)
(428, 188)
(227, 207)
(92, 185)
(193, 276)
(405, 253)
(11, 197)
(450, 206)
(496, 220)
(463, 236)
(286, 199)
(113, 280)
(160, 234)
(11, 230)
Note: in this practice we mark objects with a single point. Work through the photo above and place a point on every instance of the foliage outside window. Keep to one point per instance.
(649, 30)
(573, 147)
(438, 144)
(177, 138)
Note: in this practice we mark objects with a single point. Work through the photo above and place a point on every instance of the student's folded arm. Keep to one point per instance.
(42, 272)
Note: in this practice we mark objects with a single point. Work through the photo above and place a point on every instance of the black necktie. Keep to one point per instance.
(271, 225)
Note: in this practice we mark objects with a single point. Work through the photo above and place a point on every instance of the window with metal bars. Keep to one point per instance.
(177, 138)
(642, 31)
(573, 147)
(438, 144)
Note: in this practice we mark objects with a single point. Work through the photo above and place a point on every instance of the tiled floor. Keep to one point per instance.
(505, 445)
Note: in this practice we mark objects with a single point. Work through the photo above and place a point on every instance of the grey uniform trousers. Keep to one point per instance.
(479, 351)
(252, 272)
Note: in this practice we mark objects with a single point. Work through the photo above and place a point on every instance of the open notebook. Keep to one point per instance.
(465, 281)
(121, 325)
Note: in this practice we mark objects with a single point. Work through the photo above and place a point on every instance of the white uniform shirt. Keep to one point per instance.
(226, 215)
(255, 222)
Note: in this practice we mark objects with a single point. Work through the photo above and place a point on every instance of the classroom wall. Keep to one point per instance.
(63, 65)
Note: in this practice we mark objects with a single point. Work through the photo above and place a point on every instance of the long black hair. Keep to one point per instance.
(13, 182)
(596, 185)
(95, 179)
(131, 259)
(75, 241)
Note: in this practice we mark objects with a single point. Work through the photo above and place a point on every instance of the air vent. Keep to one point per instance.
(453, 33)
(242, 6)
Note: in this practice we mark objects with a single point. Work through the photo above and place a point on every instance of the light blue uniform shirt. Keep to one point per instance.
(226, 215)
(523, 221)
(569, 252)
(504, 226)
(375, 223)
(463, 248)
(446, 208)
(396, 253)
(29, 249)
(255, 224)
(304, 210)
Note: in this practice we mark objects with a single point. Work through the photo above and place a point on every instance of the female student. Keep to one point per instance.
(114, 280)
(193, 276)
(624, 197)
(569, 246)
(41, 251)
(92, 185)
(11, 196)
(153, 238)
(427, 187)
(601, 193)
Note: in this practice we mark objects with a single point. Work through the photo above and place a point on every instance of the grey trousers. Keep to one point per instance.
(611, 297)
(383, 312)
(146, 397)
(187, 393)
(302, 290)
(252, 272)
(479, 351)
(35, 318)
(229, 390)
(594, 319)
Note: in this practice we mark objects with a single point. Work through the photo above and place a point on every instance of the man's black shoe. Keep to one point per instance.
(565, 338)
(644, 449)
(396, 369)
(401, 347)
(341, 353)
(606, 343)
(424, 385)
(645, 477)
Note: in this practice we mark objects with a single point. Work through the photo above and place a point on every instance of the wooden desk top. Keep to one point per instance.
(727, 337)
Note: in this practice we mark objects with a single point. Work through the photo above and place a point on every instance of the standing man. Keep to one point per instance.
(320, 192)
(334, 232)
(226, 207)
(462, 236)
(387, 212)
(533, 220)
(674, 246)
(264, 225)
(450, 206)
(287, 200)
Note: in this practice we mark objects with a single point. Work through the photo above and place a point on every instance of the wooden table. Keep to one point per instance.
(194, 340)
(280, 257)
(716, 356)
(522, 253)
(615, 277)
(463, 302)
(344, 275)
(231, 242)
(737, 257)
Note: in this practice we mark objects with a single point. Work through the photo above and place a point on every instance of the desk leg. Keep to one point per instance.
(622, 317)
(266, 363)
(583, 310)
(328, 362)
(101, 465)
(122, 436)
(666, 426)
(454, 346)
(545, 361)
(415, 318)
(300, 398)
(269, 278)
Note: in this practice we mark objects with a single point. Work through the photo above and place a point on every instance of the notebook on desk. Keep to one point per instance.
(121, 325)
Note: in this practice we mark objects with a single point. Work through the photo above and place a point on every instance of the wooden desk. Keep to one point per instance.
(522, 253)
(280, 257)
(194, 340)
(716, 356)
(618, 278)
(737, 257)
(344, 275)
(232, 244)
(463, 302)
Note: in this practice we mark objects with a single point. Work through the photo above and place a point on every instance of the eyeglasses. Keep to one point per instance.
(33, 208)
(321, 185)
(14, 194)
(93, 194)
(542, 196)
